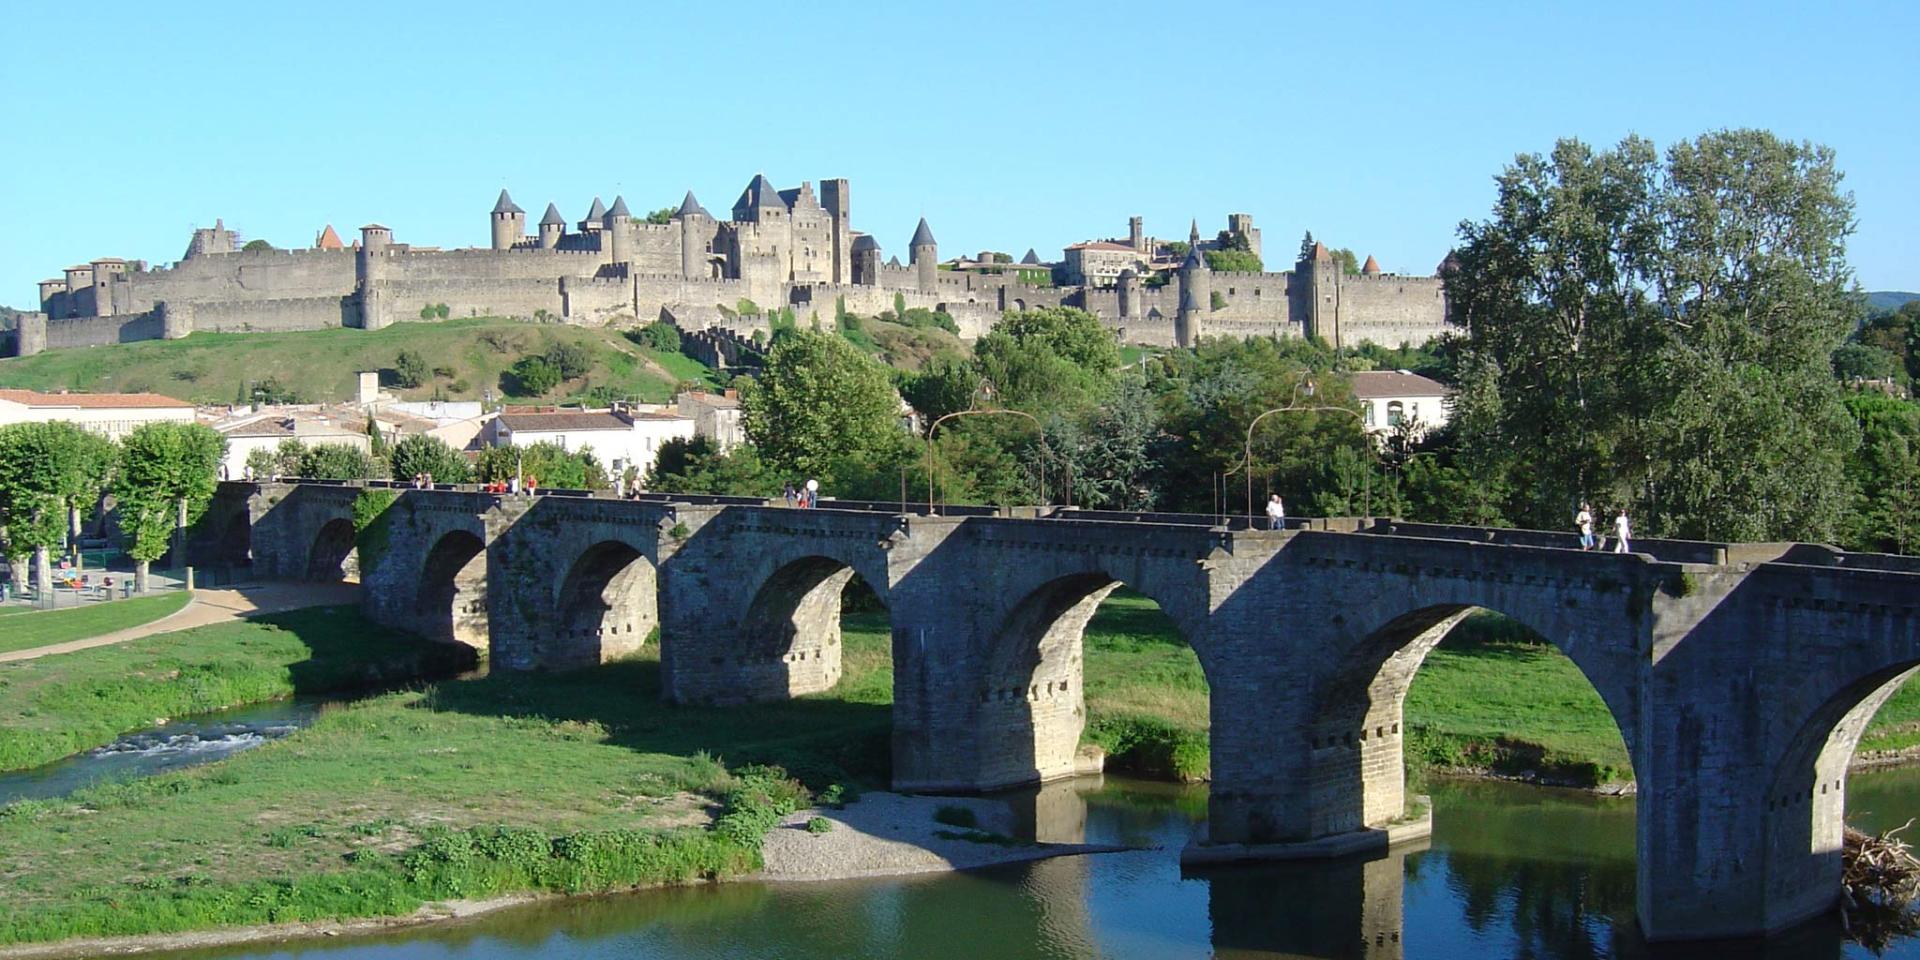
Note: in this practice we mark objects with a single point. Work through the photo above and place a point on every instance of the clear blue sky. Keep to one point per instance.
(1377, 126)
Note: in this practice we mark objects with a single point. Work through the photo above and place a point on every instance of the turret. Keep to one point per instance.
(553, 226)
(80, 292)
(618, 225)
(836, 197)
(509, 222)
(1137, 234)
(924, 253)
(105, 271)
(1241, 225)
(1196, 296)
(696, 231)
(595, 214)
(1372, 268)
(866, 260)
(49, 289)
(369, 272)
(1129, 295)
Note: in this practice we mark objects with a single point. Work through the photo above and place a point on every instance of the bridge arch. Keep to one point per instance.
(608, 602)
(1807, 794)
(451, 596)
(331, 556)
(1355, 726)
(1030, 700)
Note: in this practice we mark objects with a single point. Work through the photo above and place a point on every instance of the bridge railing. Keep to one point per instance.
(1671, 551)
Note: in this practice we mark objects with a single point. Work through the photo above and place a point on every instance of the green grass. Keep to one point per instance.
(52, 707)
(42, 628)
(321, 364)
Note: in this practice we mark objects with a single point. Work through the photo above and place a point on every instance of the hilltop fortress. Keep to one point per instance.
(780, 248)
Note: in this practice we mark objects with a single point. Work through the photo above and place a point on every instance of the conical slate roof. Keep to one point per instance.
(692, 208)
(1032, 259)
(506, 205)
(922, 236)
(596, 211)
(620, 208)
(552, 217)
(893, 261)
(1193, 234)
(1195, 261)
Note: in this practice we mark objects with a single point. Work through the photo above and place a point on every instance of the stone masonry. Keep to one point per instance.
(1740, 675)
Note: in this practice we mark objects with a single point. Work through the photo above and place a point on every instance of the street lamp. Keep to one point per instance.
(1293, 406)
(985, 389)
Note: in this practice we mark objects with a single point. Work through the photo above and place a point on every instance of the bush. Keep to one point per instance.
(660, 335)
(573, 360)
(337, 461)
(532, 377)
(1152, 747)
(409, 369)
(819, 825)
(444, 373)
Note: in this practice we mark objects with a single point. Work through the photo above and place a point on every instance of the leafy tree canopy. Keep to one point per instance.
(162, 465)
(818, 401)
(548, 463)
(419, 453)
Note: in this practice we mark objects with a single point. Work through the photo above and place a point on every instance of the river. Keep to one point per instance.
(1511, 871)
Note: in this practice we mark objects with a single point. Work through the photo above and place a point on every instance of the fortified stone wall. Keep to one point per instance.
(100, 331)
(1390, 310)
(260, 275)
(266, 316)
(474, 296)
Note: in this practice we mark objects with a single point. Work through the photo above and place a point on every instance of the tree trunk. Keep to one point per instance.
(73, 537)
(141, 582)
(180, 534)
(42, 577)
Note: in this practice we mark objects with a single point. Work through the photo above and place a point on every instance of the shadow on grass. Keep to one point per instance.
(818, 739)
(348, 653)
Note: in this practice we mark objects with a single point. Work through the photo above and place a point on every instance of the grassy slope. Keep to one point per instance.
(41, 628)
(320, 364)
(53, 707)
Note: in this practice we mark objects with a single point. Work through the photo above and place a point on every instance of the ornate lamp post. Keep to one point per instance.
(1293, 406)
(984, 390)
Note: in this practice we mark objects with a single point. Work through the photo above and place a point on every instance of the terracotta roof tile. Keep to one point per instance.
(1375, 384)
(34, 398)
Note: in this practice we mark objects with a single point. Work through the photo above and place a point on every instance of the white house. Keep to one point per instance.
(618, 438)
(266, 430)
(1391, 400)
(715, 416)
(112, 414)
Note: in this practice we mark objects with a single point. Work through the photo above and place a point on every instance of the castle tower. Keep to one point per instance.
(1372, 268)
(509, 222)
(1129, 295)
(1196, 297)
(618, 225)
(106, 271)
(924, 253)
(836, 197)
(376, 312)
(553, 226)
(595, 214)
(49, 291)
(1241, 225)
(80, 292)
(696, 231)
(1317, 277)
(1137, 234)
(866, 260)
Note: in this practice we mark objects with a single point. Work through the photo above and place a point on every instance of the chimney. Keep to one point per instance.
(369, 391)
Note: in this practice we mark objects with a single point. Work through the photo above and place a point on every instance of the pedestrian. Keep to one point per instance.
(533, 485)
(513, 486)
(812, 494)
(1622, 531)
(1276, 513)
(789, 494)
(429, 480)
(1584, 520)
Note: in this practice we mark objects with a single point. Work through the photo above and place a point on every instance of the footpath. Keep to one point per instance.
(210, 607)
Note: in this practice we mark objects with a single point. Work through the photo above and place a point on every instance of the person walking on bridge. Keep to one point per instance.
(1276, 513)
(1622, 531)
(1584, 520)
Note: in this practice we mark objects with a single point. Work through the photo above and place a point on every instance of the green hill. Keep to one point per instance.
(1889, 299)
(471, 356)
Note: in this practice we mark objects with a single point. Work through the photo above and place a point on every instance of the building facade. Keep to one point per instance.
(113, 415)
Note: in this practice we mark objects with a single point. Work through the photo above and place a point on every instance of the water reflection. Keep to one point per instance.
(1511, 872)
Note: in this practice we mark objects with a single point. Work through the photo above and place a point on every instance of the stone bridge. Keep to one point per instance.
(1740, 675)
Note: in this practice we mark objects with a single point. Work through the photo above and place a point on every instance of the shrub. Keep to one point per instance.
(532, 377)
(660, 335)
(409, 369)
(819, 825)
(573, 360)
(1152, 747)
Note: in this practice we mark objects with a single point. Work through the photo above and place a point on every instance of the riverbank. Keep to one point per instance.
(31, 629)
(54, 707)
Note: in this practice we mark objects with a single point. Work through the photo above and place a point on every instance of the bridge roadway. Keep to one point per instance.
(1741, 675)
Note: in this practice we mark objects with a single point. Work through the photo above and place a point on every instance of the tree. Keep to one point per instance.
(1234, 261)
(1049, 359)
(662, 216)
(658, 335)
(572, 360)
(50, 474)
(945, 385)
(1348, 261)
(1306, 246)
(1885, 470)
(1858, 361)
(1659, 335)
(338, 461)
(1113, 459)
(696, 465)
(818, 401)
(409, 369)
(548, 463)
(167, 476)
(376, 439)
(421, 454)
(532, 376)
(254, 246)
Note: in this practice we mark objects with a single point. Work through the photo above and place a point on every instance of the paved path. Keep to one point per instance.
(212, 606)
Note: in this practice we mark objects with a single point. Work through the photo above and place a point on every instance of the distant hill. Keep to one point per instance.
(1889, 299)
